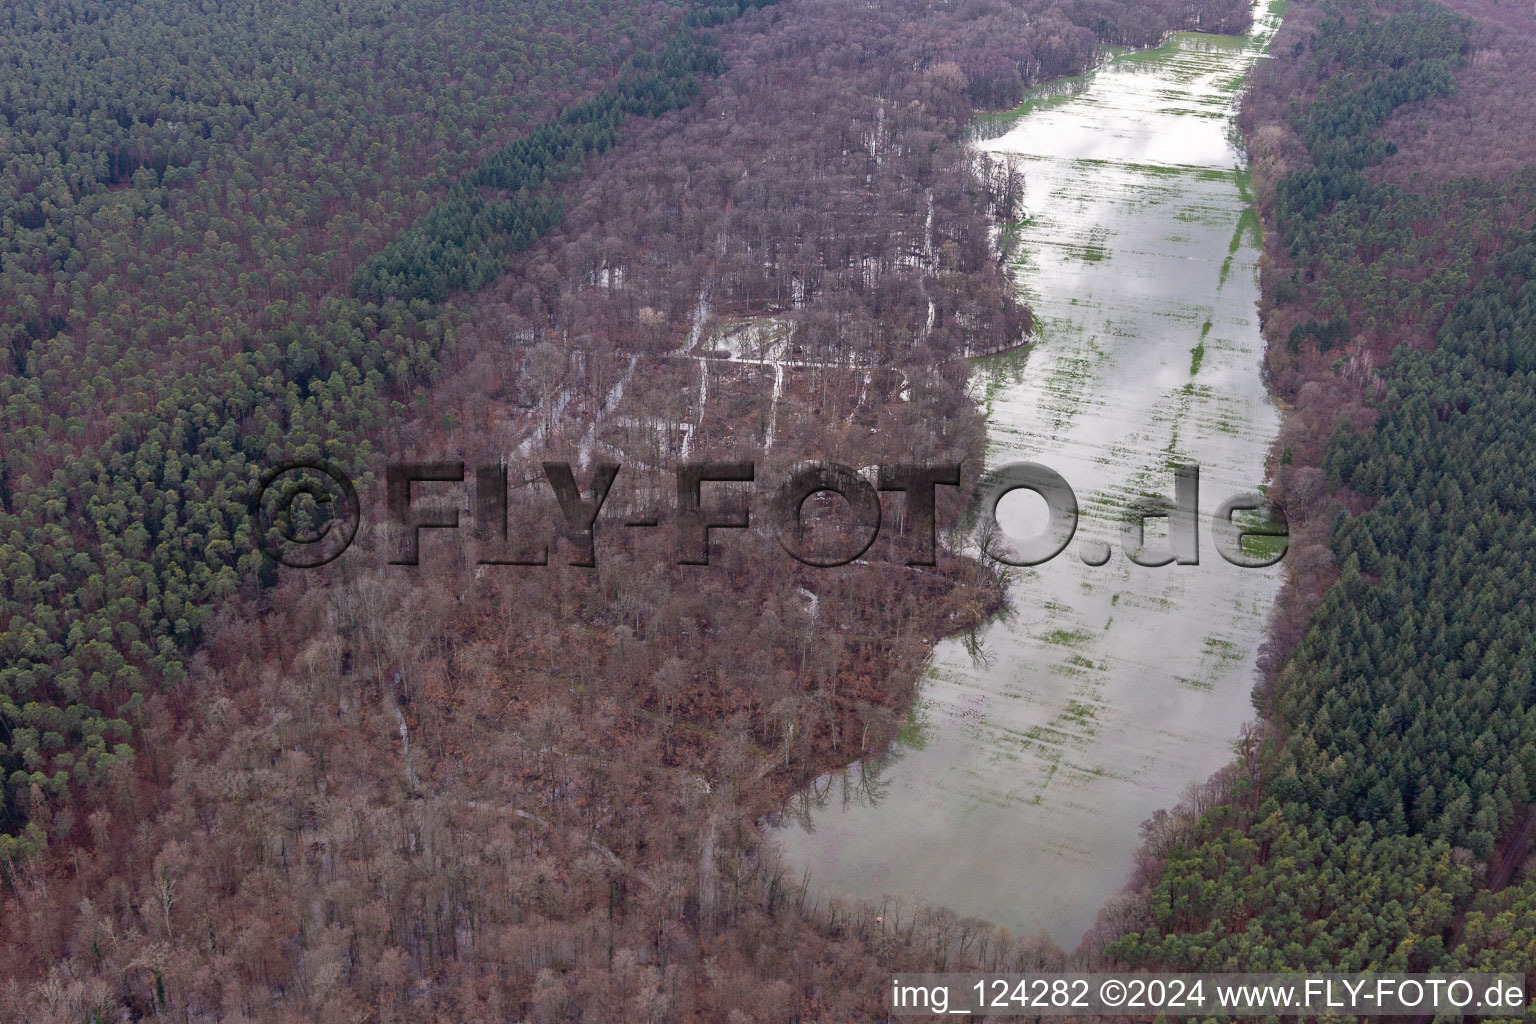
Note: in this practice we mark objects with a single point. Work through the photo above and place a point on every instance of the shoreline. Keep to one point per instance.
(1014, 369)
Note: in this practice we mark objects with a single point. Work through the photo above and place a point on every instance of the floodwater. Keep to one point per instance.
(1015, 789)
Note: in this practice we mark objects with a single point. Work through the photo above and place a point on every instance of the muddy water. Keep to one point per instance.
(1016, 788)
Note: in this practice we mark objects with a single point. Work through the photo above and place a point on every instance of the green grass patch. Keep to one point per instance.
(1066, 637)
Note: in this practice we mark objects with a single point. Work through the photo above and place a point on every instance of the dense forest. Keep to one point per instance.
(642, 231)
(184, 190)
(636, 232)
(1379, 815)
(462, 242)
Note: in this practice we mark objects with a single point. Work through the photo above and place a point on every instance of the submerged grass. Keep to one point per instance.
(1114, 314)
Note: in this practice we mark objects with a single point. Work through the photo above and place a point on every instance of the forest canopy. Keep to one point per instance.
(501, 208)
(185, 193)
(1369, 822)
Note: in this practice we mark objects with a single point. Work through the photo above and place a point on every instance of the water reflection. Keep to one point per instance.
(1040, 742)
(860, 784)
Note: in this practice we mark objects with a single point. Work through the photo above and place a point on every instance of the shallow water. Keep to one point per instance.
(1016, 788)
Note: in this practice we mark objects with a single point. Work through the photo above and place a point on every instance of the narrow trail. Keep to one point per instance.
(773, 406)
(701, 320)
(1505, 863)
(1511, 855)
(610, 401)
(546, 416)
(1515, 852)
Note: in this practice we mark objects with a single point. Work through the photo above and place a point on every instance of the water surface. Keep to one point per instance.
(1016, 788)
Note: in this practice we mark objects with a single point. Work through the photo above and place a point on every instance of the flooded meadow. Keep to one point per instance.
(1035, 749)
